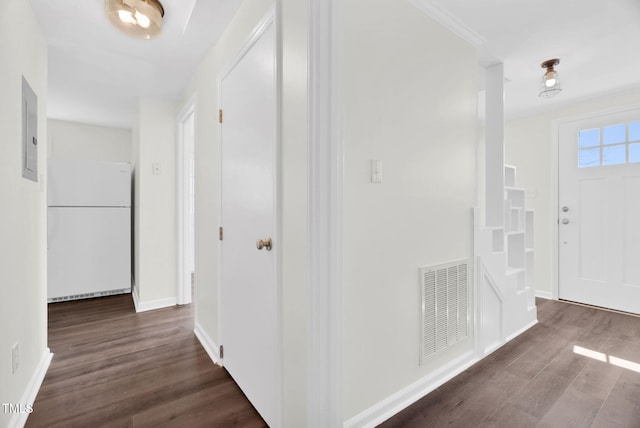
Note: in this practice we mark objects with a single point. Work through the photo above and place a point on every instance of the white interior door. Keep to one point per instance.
(599, 211)
(249, 287)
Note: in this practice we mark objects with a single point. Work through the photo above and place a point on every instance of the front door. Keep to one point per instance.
(249, 246)
(599, 211)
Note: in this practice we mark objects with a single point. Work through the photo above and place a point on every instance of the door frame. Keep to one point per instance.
(271, 17)
(185, 248)
(325, 233)
(555, 182)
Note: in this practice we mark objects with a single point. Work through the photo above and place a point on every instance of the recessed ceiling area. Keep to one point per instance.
(96, 73)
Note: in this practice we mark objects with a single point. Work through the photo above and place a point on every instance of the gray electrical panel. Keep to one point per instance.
(29, 132)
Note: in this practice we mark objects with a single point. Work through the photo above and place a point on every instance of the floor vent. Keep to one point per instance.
(445, 306)
(89, 295)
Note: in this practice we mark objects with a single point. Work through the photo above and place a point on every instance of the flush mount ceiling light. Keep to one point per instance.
(136, 18)
(550, 86)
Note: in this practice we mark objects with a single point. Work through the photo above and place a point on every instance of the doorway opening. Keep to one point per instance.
(185, 187)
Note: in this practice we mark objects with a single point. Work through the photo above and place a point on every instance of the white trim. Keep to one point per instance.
(185, 27)
(554, 209)
(150, 305)
(519, 332)
(272, 16)
(509, 338)
(30, 393)
(402, 399)
(436, 11)
(325, 186)
(264, 23)
(487, 280)
(207, 343)
(183, 233)
(475, 294)
(278, 194)
(135, 295)
(545, 295)
(484, 271)
(478, 340)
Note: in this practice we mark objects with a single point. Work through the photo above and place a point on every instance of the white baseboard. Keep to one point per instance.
(522, 330)
(208, 344)
(397, 402)
(544, 294)
(29, 396)
(402, 399)
(150, 305)
(134, 294)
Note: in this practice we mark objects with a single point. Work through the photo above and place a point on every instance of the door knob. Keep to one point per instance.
(264, 243)
(565, 209)
(565, 221)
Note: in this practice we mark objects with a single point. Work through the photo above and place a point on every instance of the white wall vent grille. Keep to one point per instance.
(445, 306)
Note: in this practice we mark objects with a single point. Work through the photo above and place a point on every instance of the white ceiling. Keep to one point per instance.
(597, 43)
(96, 74)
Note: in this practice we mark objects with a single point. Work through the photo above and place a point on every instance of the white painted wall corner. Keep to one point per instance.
(150, 305)
(135, 294)
(544, 294)
(207, 343)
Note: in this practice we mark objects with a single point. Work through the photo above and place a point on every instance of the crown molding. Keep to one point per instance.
(449, 20)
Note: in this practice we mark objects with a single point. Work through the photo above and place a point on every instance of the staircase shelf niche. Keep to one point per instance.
(505, 262)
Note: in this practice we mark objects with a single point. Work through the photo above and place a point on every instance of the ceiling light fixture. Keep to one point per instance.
(550, 86)
(136, 18)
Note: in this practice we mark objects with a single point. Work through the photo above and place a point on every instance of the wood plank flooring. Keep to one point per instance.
(115, 368)
(544, 379)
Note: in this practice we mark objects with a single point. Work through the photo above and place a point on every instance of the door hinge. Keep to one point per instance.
(221, 351)
(220, 233)
(220, 116)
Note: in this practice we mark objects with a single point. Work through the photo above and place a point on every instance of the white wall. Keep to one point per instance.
(294, 211)
(425, 135)
(294, 171)
(23, 268)
(71, 140)
(155, 204)
(203, 86)
(135, 213)
(410, 101)
(528, 146)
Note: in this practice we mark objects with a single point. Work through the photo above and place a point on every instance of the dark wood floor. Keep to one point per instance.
(115, 368)
(538, 380)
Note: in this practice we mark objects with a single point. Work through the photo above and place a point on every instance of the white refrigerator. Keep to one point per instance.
(88, 229)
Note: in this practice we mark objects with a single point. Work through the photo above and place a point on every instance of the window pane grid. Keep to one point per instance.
(610, 145)
(614, 134)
